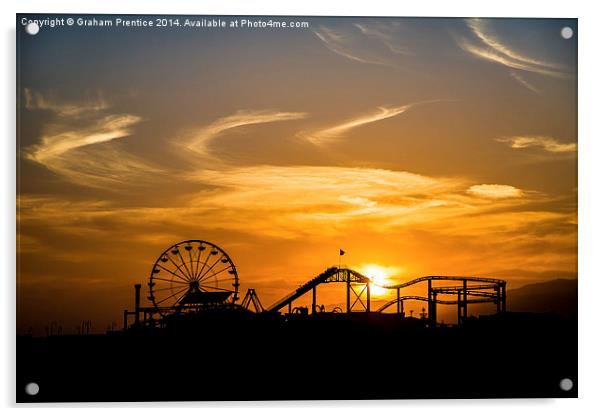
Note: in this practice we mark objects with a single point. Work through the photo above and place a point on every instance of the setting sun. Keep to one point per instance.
(379, 275)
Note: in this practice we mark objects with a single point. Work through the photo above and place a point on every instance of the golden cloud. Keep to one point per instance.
(36, 101)
(200, 140)
(548, 144)
(291, 201)
(495, 191)
(331, 134)
(69, 145)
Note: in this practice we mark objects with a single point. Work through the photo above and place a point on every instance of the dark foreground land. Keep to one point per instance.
(234, 355)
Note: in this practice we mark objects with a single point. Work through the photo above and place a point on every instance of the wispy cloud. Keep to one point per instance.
(387, 34)
(70, 144)
(200, 140)
(322, 181)
(481, 29)
(490, 47)
(109, 168)
(548, 144)
(36, 101)
(521, 80)
(493, 56)
(62, 138)
(332, 134)
(292, 202)
(341, 44)
(275, 201)
(495, 191)
(357, 201)
(366, 43)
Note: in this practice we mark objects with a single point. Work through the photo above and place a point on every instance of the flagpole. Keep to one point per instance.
(341, 253)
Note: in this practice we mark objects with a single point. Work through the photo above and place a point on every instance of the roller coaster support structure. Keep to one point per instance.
(491, 289)
(358, 290)
(480, 290)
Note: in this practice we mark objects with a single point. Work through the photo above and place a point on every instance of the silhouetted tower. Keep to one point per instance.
(137, 286)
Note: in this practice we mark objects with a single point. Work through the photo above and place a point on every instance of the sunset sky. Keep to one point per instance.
(423, 146)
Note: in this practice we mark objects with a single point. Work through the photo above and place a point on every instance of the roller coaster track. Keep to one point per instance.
(448, 278)
(424, 299)
(335, 274)
(303, 289)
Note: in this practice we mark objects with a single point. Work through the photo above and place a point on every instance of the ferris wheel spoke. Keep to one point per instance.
(191, 262)
(224, 281)
(176, 282)
(218, 279)
(215, 288)
(171, 272)
(208, 270)
(188, 275)
(204, 263)
(182, 275)
(173, 295)
(172, 303)
(198, 258)
(178, 267)
(184, 264)
(179, 299)
(216, 273)
(163, 289)
(224, 273)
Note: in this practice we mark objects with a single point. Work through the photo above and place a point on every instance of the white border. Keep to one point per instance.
(590, 206)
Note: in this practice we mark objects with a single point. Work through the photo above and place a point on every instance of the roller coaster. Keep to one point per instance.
(487, 290)
(196, 275)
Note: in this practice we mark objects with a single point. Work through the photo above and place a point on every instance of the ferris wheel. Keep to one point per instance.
(192, 274)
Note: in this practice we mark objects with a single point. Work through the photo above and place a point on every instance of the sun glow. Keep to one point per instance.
(379, 276)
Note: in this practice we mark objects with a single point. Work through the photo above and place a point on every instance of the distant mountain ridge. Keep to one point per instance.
(555, 296)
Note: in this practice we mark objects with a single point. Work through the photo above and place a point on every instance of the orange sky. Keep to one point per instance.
(436, 146)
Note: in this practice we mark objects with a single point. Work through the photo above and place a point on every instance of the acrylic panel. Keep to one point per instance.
(290, 207)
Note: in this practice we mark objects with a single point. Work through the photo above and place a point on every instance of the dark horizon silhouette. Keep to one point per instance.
(556, 297)
(287, 352)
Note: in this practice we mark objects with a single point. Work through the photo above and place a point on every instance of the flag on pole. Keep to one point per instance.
(341, 252)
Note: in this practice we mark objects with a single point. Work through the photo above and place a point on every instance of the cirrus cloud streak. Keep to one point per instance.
(490, 47)
(199, 141)
(548, 144)
(77, 144)
(330, 135)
